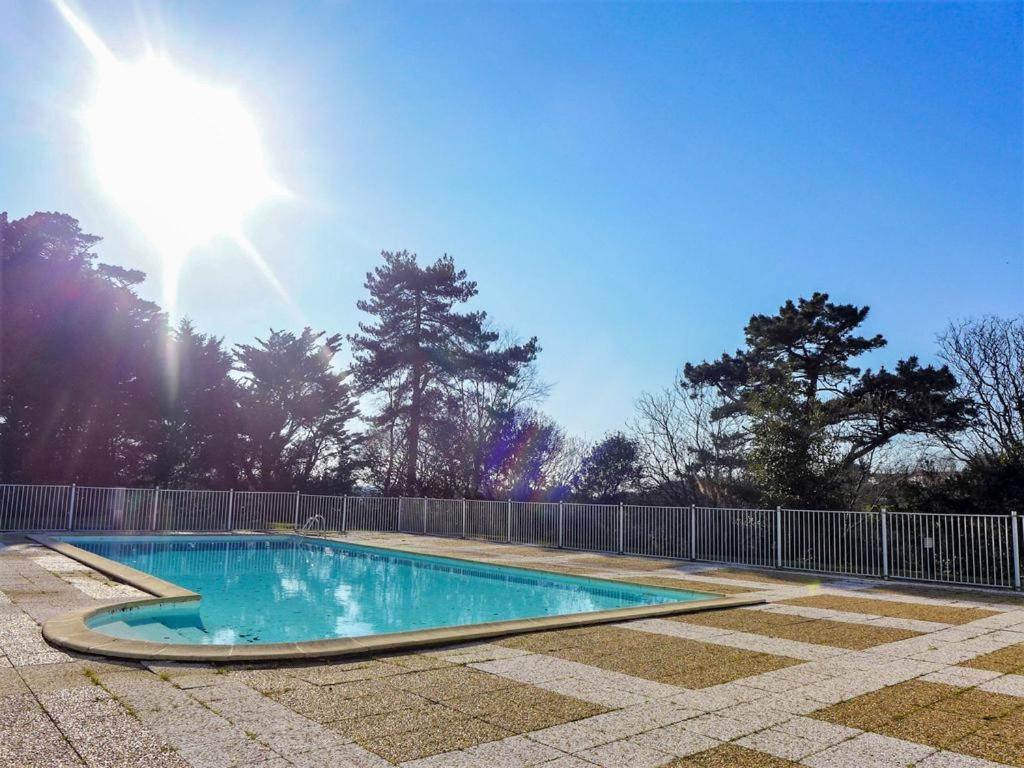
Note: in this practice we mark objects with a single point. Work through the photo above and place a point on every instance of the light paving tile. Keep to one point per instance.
(479, 653)
(676, 740)
(870, 749)
(822, 733)
(770, 682)
(29, 738)
(348, 755)
(955, 760)
(594, 692)
(529, 669)
(568, 761)
(571, 737)
(626, 752)
(962, 677)
(719, 728)
(512, 752)
(456, 759)
(55, 563)
(758, 714)
(778, 743)
(103, 590)
(717, 697)
(637, 719)
(1011, 685)
(647, 688)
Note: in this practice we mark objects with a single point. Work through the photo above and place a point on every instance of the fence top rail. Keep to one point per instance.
(577, 505)
(112, 488)
(833, 511)
(684, 508)
(954, 515)
(194, 490)
(734, 509)
(33, 485)
(274, 493)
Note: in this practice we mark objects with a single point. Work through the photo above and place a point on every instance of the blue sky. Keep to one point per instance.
(628, 182)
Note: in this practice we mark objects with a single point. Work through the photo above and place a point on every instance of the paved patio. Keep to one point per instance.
(829, 672)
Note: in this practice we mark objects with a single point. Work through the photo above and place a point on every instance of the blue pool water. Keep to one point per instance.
(277, 589)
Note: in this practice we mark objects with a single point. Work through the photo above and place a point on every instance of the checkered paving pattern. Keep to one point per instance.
(827, 673)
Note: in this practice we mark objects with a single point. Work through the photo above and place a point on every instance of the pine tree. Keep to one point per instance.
(419, 344)
(295, 411)
(806, 416)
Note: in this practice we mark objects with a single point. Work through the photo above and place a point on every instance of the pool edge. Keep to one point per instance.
(71, 631)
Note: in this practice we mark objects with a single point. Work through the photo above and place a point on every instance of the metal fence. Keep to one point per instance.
(981, 550)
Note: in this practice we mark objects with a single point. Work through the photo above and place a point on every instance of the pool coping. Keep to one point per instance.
(72, 632)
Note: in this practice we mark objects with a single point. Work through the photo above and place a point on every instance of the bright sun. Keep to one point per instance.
(182, 158)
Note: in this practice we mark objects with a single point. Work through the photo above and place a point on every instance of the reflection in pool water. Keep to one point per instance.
(276, 589)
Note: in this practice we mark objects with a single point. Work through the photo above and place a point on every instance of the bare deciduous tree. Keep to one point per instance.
(987, 356)
(687, 456)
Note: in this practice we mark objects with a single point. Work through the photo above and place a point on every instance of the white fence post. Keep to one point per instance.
(344, 511)
(156, 506)
(778, 536)
(424, 514)
(399, 514)
(561, 523)
(1015, 532)
(885, 544)
(71, 506)
(508, 520)
(231, 507)
(295, 524)
(463, 518)
(622, 528)
(693, 531)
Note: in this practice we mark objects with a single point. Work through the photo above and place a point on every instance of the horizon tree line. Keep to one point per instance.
(97, 388)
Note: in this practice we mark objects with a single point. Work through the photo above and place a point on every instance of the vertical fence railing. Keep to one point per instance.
(372, 513)
(35, 507)
(443, 517)
(113, 509)
(534, 522)
(656, 531)
(264, 510)
(591, 526)
(834, 542)
(742, 536)
(953, 549)
(188, 510)
(486, 520)
(979, 550)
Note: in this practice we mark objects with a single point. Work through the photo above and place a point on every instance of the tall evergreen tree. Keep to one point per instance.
(195, 435)
(419, 344)
(295, 413)
(806, 415)
(80, 357)
(610, 470)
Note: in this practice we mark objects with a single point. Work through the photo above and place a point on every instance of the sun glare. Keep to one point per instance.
(182, 158)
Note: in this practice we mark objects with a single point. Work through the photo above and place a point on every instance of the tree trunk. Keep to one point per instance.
(414, 433)
(416, 404)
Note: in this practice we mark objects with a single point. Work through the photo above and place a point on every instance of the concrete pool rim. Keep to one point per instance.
(71, 631)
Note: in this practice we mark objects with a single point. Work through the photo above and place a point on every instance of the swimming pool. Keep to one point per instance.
(272, 589)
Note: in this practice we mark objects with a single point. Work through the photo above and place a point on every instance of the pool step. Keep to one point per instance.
(155, 631)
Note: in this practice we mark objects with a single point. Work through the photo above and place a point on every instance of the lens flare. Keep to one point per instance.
(181, 157)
